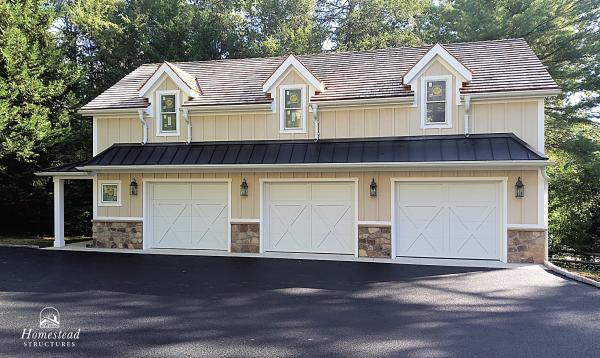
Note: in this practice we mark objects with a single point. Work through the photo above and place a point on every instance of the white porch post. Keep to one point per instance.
(59, 212)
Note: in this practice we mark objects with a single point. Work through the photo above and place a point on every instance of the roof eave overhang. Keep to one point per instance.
(66, 175)
(449, 165)
(358, 102)
(110, 111)
(513, 94)
(259, 107)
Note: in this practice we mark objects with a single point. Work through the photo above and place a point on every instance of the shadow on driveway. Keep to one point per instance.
(155, 305)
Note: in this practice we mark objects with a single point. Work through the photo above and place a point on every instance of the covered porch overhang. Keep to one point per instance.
(59, 175)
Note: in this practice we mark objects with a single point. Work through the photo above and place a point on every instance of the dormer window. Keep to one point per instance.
(293, 109)
(436, 105)
(167, 113)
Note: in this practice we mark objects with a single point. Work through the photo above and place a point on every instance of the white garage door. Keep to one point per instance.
(313, 217)
(189, 215)
(449, 220)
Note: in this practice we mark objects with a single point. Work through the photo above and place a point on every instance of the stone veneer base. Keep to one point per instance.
(117, 234)
(526, 246)
(245, 238)
(375, 241)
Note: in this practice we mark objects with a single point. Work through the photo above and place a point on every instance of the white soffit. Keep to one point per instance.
(292, 61)
(167, 69)
(437, 50)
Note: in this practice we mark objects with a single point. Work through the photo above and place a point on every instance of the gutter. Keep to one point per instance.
(514, 94)
(228, 108)
(451, 165)
(392, 101)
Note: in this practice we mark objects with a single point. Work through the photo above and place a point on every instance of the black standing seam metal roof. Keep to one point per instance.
(441, 148)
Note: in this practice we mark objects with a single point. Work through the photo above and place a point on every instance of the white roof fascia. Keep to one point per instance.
(437, 50)
(292, 61)
(156, 77)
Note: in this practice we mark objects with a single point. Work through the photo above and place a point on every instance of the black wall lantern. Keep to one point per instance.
(519, 188)
(373, 188)
(244, 188)
(133, 187)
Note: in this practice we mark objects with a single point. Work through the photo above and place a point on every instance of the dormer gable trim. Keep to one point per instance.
(186, 82)
(292, 61)
(437, 50)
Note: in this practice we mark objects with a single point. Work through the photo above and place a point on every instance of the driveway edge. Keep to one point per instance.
(563, 272)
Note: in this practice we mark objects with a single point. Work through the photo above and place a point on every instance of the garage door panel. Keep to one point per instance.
(310, 217)
(423, 228)
(190, 215)
(331, 227)
(461, 220)
(289, 225)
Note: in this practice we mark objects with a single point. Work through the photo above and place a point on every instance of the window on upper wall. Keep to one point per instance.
(293, 109)
(436, 102)
(168, 113)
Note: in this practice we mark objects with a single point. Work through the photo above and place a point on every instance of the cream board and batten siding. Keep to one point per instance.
(519, 116)
(521, 211)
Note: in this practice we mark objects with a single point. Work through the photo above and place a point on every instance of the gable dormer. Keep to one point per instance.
(290, 86)
(436, 80)
(166, 90)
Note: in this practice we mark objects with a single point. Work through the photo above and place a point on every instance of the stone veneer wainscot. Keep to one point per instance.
(117, 234)
(245, 238)
(375, 241)
(526, 246)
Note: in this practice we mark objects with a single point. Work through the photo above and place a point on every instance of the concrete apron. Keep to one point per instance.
(296, 256)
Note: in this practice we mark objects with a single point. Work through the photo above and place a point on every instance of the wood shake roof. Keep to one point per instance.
(497, 66)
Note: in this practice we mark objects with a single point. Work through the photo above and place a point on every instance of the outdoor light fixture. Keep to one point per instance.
(519, 189)
(133, 186)
(244, 188)
(373, 188)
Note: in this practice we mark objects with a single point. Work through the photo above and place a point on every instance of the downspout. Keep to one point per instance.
(144, 126)
(467, 100)
(317, 124)
(189, 124)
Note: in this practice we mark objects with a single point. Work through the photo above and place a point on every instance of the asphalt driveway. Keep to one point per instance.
(159, 305)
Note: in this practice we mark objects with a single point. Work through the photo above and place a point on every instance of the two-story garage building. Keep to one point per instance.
(405, 154)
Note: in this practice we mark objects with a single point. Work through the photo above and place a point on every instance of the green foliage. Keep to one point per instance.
(38, 124)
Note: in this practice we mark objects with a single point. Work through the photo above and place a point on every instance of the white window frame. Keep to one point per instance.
(449, 91)
(101, 183)
(159, 132)
(282, 90)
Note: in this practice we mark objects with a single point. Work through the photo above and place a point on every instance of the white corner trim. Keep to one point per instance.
(166, 69)
(282, 90)
(157, 112)
(99, 188)
(94, 136)
(423, 99)
(540, 126)
(292, 61)
(437, 50)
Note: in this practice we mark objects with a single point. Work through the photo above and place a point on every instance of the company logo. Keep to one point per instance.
(50, 335)
(49, 318)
